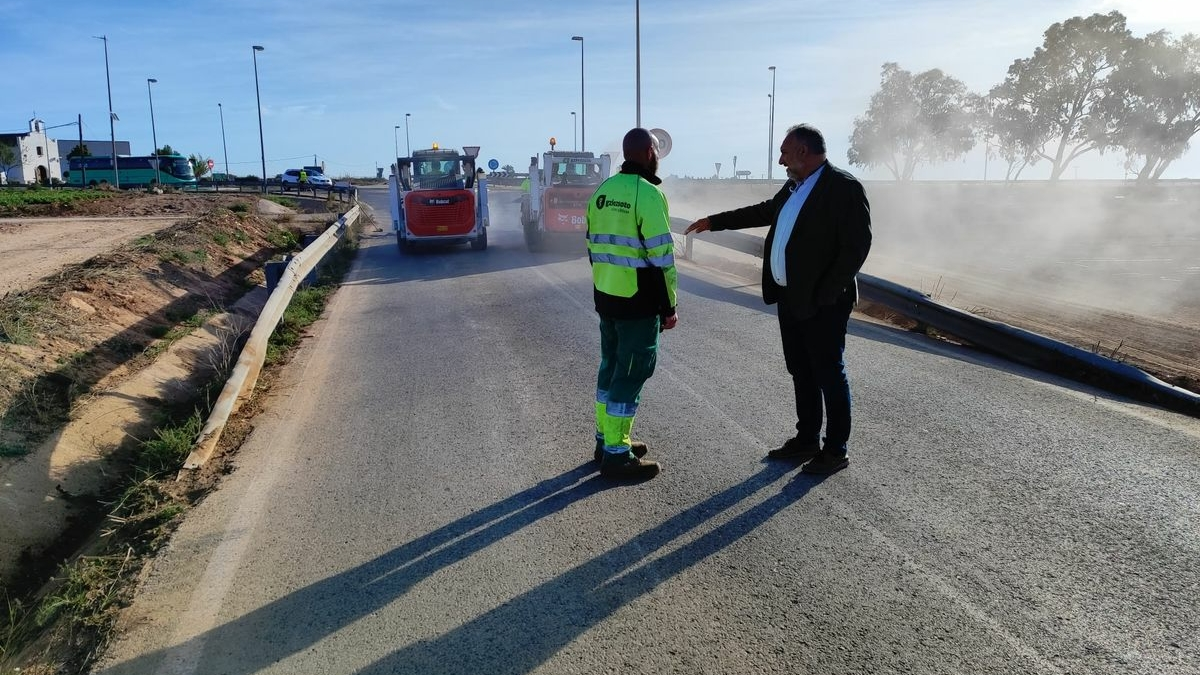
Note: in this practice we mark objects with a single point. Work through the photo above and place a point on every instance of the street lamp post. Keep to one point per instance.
(637, 32)
(153, 132)
(396, 142)
(575, 130)
(112, 129)
(771, 127)
(407, 144)
(223, 146)
(262, 148)
(582, 110)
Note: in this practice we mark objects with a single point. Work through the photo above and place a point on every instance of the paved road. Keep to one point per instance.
(418, 498)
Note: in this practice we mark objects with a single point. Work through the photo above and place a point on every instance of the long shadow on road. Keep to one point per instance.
(520, 635)
(512, 638)
(303, 617)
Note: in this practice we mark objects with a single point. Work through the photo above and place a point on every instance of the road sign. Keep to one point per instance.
(493, 164)
(210, 164)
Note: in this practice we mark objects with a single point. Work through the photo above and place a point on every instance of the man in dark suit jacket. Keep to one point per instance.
(819, 238)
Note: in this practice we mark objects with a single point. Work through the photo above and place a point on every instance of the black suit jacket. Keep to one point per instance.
(828, 245)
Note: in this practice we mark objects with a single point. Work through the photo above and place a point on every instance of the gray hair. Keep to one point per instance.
(809, 135)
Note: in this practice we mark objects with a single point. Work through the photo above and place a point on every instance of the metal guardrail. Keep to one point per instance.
(250, 362)
(1015, 344)
(1029, 348)
(276, 187)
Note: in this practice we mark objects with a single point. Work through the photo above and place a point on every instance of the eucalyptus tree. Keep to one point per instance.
(1048, 106)
(1152, 109)
(913, 120)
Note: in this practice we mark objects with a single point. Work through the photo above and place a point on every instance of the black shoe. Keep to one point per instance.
(826, 463)
(628, 467)
(639, 449)
(795, 449)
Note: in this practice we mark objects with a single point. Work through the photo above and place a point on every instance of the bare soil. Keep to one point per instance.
(112, 315)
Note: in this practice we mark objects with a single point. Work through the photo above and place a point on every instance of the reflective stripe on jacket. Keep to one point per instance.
(630, 247)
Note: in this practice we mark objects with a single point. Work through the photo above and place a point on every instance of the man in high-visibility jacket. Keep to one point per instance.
(634, 286)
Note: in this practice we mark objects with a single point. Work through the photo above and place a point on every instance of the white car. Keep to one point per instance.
(292, 176)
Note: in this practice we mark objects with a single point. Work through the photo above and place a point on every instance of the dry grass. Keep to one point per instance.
(63, 627)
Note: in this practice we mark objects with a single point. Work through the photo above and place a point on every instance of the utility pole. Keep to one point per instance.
(771, 127)
(637, 21)
(112, 129)
(82, 159)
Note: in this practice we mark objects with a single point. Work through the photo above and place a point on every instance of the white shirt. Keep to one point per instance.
(786, 221)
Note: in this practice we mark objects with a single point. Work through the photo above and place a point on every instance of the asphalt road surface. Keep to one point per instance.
(420, 498)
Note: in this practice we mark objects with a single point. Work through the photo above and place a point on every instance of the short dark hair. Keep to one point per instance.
(636, 142)
(810, 136)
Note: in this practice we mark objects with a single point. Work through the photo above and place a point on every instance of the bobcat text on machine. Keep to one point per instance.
(555, 207)
(437, 198)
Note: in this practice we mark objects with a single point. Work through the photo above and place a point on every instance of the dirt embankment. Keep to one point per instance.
(106, 297)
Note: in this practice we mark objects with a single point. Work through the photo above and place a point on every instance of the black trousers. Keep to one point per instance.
(814, 349)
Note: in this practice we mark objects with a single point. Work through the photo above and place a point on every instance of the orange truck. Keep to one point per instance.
(438, 199)
(555, 205)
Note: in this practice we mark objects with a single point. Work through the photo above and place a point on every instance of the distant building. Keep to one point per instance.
(36, 157)
(99, 148)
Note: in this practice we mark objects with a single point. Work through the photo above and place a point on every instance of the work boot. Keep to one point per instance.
(638, 448)
(627, 467)
(795, 449)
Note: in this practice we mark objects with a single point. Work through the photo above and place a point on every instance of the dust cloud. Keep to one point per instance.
(1081, 246)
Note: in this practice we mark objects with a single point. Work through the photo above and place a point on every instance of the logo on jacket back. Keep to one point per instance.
(603, 201)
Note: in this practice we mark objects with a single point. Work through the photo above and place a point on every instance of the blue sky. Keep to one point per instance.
(337, 77)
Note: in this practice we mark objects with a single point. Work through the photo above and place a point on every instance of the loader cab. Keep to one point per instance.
(575, 169)
(570, 173)
(437, 173)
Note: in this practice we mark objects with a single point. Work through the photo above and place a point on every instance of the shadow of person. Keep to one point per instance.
(522, 634)
(302, 618)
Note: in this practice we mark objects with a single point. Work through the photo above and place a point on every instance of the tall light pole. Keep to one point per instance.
(575, 130)
(223, 147)
(637, 32)
(262, 148)
(771, 127)
(153, 132)
(396, 141)
(582, 110)
(112, 129)
(407, 144)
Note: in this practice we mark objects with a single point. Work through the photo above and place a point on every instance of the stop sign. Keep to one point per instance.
(210, 164)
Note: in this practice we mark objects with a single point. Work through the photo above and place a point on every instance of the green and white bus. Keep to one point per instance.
(134, 171)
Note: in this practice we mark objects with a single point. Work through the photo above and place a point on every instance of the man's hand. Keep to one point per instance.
(669, 322)
(701, 225)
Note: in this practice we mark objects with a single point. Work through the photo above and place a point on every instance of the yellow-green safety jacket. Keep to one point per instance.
(630, 247)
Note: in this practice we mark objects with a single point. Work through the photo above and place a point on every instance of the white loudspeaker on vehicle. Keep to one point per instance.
(664, 142)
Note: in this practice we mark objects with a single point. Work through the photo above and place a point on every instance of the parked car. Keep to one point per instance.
(292, 176)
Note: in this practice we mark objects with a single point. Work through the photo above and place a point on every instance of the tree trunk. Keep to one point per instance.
(1162, 166)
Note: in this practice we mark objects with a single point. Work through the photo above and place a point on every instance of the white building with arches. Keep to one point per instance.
(35, 157)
